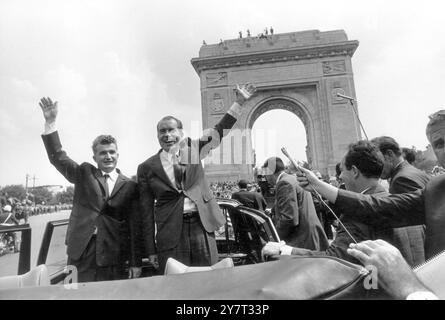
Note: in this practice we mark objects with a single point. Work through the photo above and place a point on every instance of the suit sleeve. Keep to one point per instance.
(146, 200)
(135, 226)
(287, 204)
(396, 210)
(58, 158)
(264, 203)
(261, 202)
(340, 245)
(332, 251)
(212, 138)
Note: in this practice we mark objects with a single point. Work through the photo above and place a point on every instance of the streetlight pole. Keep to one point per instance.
(26, 187)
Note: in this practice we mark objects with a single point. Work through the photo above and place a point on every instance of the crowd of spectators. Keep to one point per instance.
(22, 210)
(225, 189)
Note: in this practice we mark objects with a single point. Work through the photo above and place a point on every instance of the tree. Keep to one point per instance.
(14, 191)
(42, 194)
(66, 196)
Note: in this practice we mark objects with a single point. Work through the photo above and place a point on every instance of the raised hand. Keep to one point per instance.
(306, 178)
(244, 92)
(49, 109)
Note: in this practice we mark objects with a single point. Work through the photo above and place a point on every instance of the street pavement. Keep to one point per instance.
(9, 262)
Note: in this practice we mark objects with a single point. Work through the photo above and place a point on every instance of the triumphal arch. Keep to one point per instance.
(299, 71)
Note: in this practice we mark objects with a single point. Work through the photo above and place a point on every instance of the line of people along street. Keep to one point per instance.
(170, 211)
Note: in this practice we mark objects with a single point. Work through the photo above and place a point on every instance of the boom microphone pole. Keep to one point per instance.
(351, 100)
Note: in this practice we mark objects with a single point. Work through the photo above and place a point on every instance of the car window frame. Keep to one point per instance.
(24, 264)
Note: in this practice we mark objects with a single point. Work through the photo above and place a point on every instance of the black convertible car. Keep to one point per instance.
(248, 277)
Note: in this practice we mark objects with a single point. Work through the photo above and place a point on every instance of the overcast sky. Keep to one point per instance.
(119, 66)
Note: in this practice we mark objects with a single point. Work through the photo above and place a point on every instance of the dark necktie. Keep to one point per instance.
(107, 192)
(178, 172)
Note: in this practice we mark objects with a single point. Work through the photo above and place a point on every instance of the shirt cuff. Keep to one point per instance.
(235, 110)
(50, 128)
(286, 250)
(422, 295)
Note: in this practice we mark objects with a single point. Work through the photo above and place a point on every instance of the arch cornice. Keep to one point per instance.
(346, 48)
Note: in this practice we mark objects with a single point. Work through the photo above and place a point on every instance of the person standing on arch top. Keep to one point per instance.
(179, 214)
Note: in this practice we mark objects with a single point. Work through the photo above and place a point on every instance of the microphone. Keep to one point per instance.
(351, 99)
(345, 97)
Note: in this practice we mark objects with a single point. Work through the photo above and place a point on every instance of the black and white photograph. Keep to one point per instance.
(222, 155)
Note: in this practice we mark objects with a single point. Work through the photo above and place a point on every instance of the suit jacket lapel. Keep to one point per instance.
(119, 184)
(158, 169)
(100, 179)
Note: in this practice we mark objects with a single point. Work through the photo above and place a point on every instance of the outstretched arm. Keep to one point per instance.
(211, 138)
(393, 210)
(50, 111)
(310, 182)
(53, 146)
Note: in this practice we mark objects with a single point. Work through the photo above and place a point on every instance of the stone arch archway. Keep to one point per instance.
(291, 105)
(301, 72)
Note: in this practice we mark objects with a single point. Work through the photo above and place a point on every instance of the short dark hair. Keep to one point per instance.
(275, 164)
(385, 143)
(103, 139)
(409, 155)
(243, 184)
(366, 157)
(166, 118)
(338, 169)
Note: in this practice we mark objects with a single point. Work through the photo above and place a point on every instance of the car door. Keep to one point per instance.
(245, 233)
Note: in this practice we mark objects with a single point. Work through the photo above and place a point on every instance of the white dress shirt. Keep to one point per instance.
(111, 181)
(167, 161)
(167, 164)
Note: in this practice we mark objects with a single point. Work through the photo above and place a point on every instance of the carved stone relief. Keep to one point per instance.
(336, 99)
(216, 79)
(217, 104)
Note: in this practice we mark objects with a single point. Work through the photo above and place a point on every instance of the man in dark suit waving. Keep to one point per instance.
(104, 207)
(180, 214)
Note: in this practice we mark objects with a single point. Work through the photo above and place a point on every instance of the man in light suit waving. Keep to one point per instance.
(175, 195)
